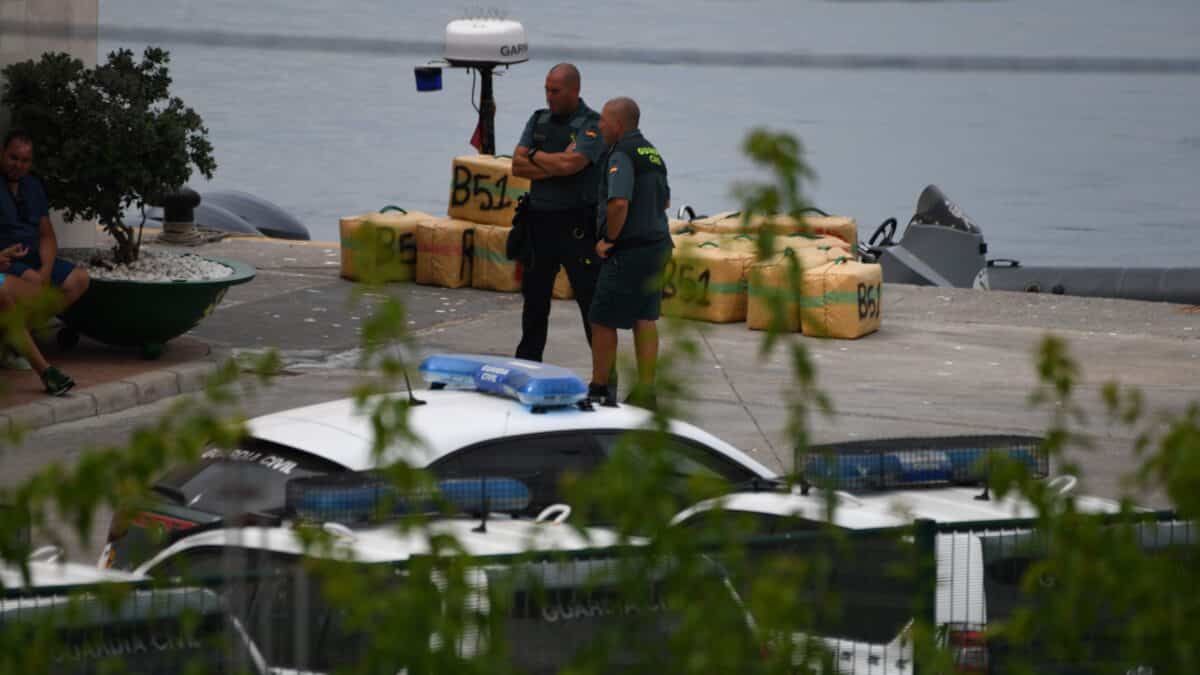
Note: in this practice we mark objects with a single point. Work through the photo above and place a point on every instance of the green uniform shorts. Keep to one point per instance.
(629, 288)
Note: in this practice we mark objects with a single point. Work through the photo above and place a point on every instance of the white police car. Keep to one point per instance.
(891, 483)
(148, 630)
(485, 416)
(555, 607)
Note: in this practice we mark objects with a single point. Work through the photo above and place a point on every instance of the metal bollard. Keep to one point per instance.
(179, 221)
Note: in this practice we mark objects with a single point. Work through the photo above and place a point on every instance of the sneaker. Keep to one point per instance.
(56, 381)
(10, 360)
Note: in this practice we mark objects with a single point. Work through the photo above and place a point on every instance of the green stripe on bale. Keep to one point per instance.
(492, 256)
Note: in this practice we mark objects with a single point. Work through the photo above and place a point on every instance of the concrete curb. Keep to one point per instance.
(112, 397)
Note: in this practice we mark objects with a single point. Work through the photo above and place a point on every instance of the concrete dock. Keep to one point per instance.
(947, 361)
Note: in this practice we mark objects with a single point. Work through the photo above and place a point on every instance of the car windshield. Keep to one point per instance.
(251, 478)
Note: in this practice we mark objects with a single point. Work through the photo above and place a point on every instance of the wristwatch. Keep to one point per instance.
(609, 241)
(532, 152)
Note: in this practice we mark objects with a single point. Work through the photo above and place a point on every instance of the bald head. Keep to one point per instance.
(618, 117)
(562, 89)
(568, 73)
(626, 110)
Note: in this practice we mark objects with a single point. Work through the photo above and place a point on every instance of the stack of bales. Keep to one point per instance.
(728, 269)
(724, 268)
(466, 248)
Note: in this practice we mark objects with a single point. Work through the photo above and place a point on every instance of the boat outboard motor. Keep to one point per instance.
(940, 246)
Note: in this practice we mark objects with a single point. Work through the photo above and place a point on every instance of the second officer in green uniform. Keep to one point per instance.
(635, 244)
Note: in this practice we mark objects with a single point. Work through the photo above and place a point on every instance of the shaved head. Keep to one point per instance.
(626, 110)
(562, 89)
(618, 117)
(569, 74)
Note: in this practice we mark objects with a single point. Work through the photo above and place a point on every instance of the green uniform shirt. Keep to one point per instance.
(635, 171)
(551, 133)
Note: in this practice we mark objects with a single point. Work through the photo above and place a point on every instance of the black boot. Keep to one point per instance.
(604, 394)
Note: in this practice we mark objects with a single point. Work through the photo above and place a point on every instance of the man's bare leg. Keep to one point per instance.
(645, 346)
(16, 290)
(75, 285)
(19, 336)
(604, 353)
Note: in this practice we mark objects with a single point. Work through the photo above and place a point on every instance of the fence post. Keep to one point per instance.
(925, 541)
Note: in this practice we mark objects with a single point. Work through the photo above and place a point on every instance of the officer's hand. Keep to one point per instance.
(602, 248)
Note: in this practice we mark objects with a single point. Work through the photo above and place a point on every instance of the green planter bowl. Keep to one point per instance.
(146, 314)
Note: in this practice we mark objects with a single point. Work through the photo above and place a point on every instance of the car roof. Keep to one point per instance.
(452, 420)
(44, 574)
(889, 508)
(386, 543)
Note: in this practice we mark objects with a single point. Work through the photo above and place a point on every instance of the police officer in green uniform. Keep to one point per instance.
(635, 245)
(560, 152)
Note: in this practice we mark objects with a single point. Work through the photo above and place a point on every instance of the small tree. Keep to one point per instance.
(108, 137)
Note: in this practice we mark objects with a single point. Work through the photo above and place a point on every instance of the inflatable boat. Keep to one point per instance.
(941, 246)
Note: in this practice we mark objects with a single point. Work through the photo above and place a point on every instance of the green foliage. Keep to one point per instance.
(107, 138)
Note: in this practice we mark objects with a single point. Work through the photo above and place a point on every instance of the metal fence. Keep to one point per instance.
(861, 592)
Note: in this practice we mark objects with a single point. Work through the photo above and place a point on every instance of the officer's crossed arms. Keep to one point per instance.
(562, 94)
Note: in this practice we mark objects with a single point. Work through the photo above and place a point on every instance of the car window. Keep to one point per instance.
(687, 456)
(248, 479)
(539, 461)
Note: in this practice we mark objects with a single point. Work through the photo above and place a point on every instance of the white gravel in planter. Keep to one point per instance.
(155, 265)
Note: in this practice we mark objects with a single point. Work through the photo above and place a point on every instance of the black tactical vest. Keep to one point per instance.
(550, 135)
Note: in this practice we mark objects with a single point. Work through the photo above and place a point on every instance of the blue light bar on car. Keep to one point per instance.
(352, 498)
(533, 384)
(912, 462)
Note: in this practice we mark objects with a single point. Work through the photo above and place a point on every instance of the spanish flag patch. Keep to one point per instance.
(613, 170)
(589, 133)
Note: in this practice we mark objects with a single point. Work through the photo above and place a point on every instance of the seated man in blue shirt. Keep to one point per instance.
(25, 221)
(11, 290)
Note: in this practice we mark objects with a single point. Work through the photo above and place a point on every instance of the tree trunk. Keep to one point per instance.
(126, 250)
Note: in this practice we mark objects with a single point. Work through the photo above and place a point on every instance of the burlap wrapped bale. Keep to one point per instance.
(380, 247)
(777, 277)
(707, 282)
(842, 299)
(445, 247)
(688, 238)
(800, 240)
(562, 286)
(730, 222)
(676, 226)
(727, 222)
(483, 189)
(490, 269)
(841, 227)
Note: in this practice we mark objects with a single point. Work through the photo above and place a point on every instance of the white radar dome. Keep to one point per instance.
(485, 41)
